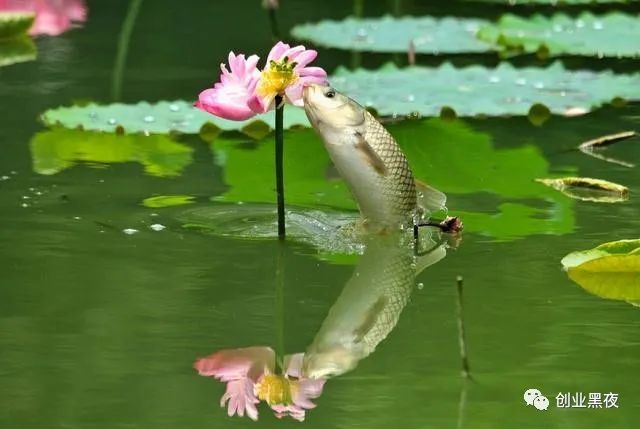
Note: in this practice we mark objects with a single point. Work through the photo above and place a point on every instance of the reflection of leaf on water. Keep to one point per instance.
(15, 45)
(588, 189)
(17, 50)
(54, 151)
(448, 155)
(15, 24)
(167, 201)
(611, 270)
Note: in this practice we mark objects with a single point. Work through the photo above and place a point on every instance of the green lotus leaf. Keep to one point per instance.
(17, 50)
(477, 90)
(469, 168)
(15, 24)
(161, 118)
(57, 150)
(611, 277)
(620, 247)
(612, 35)
(388, 34)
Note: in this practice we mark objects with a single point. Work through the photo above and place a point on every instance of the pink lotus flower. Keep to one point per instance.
(53, 17)
(245, 91)
(249, 374)
(228, 98)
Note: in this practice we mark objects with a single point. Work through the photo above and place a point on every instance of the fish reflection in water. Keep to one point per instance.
(364, 314)
(370, 305)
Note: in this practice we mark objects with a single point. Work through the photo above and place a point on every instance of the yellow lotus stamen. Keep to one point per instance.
(277, 77)
(274, 389)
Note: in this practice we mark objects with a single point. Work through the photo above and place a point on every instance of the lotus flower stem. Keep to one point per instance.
(272, 8)
(279, 306)
(279, 170)
(123, 48)
(466, 372)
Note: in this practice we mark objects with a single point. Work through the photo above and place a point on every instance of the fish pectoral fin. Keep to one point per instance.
(370, 155)
(429, 198)
(370, 319)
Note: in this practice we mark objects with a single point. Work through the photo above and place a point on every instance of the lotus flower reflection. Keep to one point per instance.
(251, 378)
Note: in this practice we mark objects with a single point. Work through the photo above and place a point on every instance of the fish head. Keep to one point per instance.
(329, 363)
(330, 111)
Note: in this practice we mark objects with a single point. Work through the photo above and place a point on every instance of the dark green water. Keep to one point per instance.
(99, 329)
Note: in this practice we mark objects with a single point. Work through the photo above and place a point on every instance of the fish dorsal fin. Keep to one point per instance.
(370, 319)
(370, 155)
(429, 198)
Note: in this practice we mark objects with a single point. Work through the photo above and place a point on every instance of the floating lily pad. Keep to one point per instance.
(611, 270)
(161, 118)
(620, 247)
(15, 24)
(17, 50)
(588, 189)
(471, 166)
(478, 90)
(611, 35)
(388, 34)
(54, 151)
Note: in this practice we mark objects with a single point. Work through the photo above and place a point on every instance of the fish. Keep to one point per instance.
(369, 306)
(370, 160)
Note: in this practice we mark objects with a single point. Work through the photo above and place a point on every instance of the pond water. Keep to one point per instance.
(100, 328)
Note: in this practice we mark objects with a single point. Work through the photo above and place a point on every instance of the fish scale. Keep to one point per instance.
(398, 185)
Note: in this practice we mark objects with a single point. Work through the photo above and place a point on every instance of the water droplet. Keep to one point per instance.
(153, 214)
(579, 23)
(563, 94)
(174, 107)
(38, 193)
(24, 205)
(4, 178)
(420, 286)
(598, 25)
(32, 189)
(14, 172)
(149, 119)
(538, 85)
(557, 28)
(411, 98)
(130, 231)
(25, 197)
(77, 218)
(157, 227)
(521, 81)
(111, 121)
(494, 79)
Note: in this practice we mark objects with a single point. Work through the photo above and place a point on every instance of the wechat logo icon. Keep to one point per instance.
(537, 399)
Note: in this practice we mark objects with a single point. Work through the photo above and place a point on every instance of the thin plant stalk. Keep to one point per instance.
(279, 136)
(279, 305)
(466, 372)
(356, 56)
(123, 48)
(273, 20)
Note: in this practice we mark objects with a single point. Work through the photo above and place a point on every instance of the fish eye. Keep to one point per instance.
(330, 94)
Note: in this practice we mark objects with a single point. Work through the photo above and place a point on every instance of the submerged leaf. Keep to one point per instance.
(478, 90)
(612, 35)
(451, 168)
(15, 24)
(54, 151)
(161, 118)
(161, 201)
(588, 189)
(388, 34)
